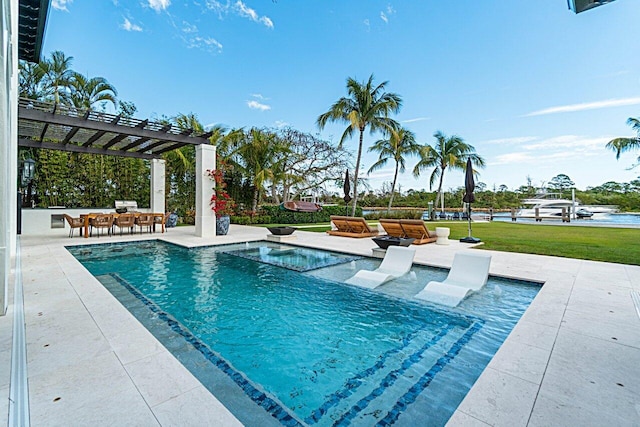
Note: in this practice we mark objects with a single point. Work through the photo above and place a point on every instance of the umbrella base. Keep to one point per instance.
(470, 240)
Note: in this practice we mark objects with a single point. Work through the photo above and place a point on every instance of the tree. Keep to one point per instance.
(31, 81)
(622, 145)
(401, 143)
(364, 106)
(259, 156)
(448, 152)
(310, 162)
(560, 183)
(85, 91)
(57, 75)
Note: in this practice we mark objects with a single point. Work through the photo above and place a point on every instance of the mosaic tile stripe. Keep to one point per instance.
(426, 379)
(259, 397)
(389, 380)
(352, 384)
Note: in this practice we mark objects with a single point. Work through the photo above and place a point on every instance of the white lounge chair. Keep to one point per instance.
(469, 273)
(397, 262)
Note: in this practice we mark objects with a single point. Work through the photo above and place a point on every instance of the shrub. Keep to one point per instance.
(280, 216)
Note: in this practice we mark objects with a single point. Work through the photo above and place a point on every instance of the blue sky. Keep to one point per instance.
(536, 89)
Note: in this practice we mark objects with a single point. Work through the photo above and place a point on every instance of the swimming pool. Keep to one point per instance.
(301, 347)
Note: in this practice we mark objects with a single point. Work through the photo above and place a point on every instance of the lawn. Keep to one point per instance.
(620, 245)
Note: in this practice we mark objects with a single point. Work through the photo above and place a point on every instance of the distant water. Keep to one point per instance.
(615, 219)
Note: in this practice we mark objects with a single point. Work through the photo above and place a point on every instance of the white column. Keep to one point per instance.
(205, 217)
(157, 204)
(8, 143)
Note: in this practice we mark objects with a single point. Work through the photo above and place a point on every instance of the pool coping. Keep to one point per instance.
(570, 359)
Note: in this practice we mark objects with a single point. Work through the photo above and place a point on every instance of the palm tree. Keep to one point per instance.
(258, 158)
(365, 105)
(401, 143)
(448, 152)
(621, 145)
(30, 81)
(57, 71)
(85, 92)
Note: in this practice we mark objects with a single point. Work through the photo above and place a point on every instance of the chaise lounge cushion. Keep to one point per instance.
(347, 226)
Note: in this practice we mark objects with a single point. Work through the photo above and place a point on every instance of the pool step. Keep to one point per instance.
(395, 381)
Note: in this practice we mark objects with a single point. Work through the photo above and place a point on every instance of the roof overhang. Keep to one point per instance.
(32, 19)
(59, 127)
(582, 5)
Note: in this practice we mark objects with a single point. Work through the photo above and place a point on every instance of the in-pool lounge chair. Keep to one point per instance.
(468, 274)
(397, 262)
(417, 229)
(392, 227)
(347, 226)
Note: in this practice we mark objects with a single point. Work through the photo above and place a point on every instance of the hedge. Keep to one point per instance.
(280, 216)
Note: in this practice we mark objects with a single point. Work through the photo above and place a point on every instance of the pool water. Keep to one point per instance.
(306, 348)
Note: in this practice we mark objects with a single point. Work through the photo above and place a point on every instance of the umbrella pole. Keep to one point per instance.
(469, 239)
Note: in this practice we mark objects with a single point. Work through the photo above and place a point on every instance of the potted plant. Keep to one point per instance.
(221, 203)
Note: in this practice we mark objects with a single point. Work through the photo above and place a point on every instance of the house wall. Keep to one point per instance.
(8, 141)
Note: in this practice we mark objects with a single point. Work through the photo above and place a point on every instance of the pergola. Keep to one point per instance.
(60, 127)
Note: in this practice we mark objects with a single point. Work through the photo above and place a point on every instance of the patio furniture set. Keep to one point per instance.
(109, 221)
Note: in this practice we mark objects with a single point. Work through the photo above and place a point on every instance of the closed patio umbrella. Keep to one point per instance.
(347, 190)
(469, 197)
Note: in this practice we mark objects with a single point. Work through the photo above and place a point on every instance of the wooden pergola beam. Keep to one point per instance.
(62, 120)
(30, 143)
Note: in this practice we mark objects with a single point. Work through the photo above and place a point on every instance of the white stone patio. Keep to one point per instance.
(573, 359)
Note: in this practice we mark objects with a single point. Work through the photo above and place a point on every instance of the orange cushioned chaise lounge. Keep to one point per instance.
(417, 229)
(347, 226)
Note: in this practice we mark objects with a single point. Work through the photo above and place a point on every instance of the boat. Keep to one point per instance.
(300, 206)
(583, 214)
(550, 205)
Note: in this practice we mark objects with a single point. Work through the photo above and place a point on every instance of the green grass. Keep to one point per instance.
(620, 245)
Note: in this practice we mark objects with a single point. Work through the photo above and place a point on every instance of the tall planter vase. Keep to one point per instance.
(222, 225)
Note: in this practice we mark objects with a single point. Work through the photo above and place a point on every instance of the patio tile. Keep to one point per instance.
(521, 360)
(500, 399)
(534, 334)
(163, 366)
(460, 419)
(76, 395)
(593, 325)
(194, 408)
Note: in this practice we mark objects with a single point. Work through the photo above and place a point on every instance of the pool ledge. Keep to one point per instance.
(571, 360)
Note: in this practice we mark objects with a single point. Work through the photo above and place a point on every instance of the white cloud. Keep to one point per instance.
(61, 4)
(512, 141)
(389, 11)
(558, 148)
(417, 119)
(128, 26)
(281, 124)
(255, 105)
(609, 103)
(188, 28)
(382, 174)
(207, 43)
(218, 7)
(247, 12)
(159, 5)
(259, 96)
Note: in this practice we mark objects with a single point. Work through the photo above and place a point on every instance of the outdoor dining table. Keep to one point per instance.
(87, 217)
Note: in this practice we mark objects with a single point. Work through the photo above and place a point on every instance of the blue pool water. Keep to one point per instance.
(305, 347)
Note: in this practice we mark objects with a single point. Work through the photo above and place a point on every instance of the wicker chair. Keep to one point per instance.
(145, 220)
(101, 221)
(74, 223)
(125, 221)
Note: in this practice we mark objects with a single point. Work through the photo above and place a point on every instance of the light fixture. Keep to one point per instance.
(28, 171)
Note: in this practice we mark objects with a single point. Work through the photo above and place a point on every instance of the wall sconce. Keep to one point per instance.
(28, 171)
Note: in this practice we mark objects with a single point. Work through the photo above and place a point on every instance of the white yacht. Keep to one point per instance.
(550, 205)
